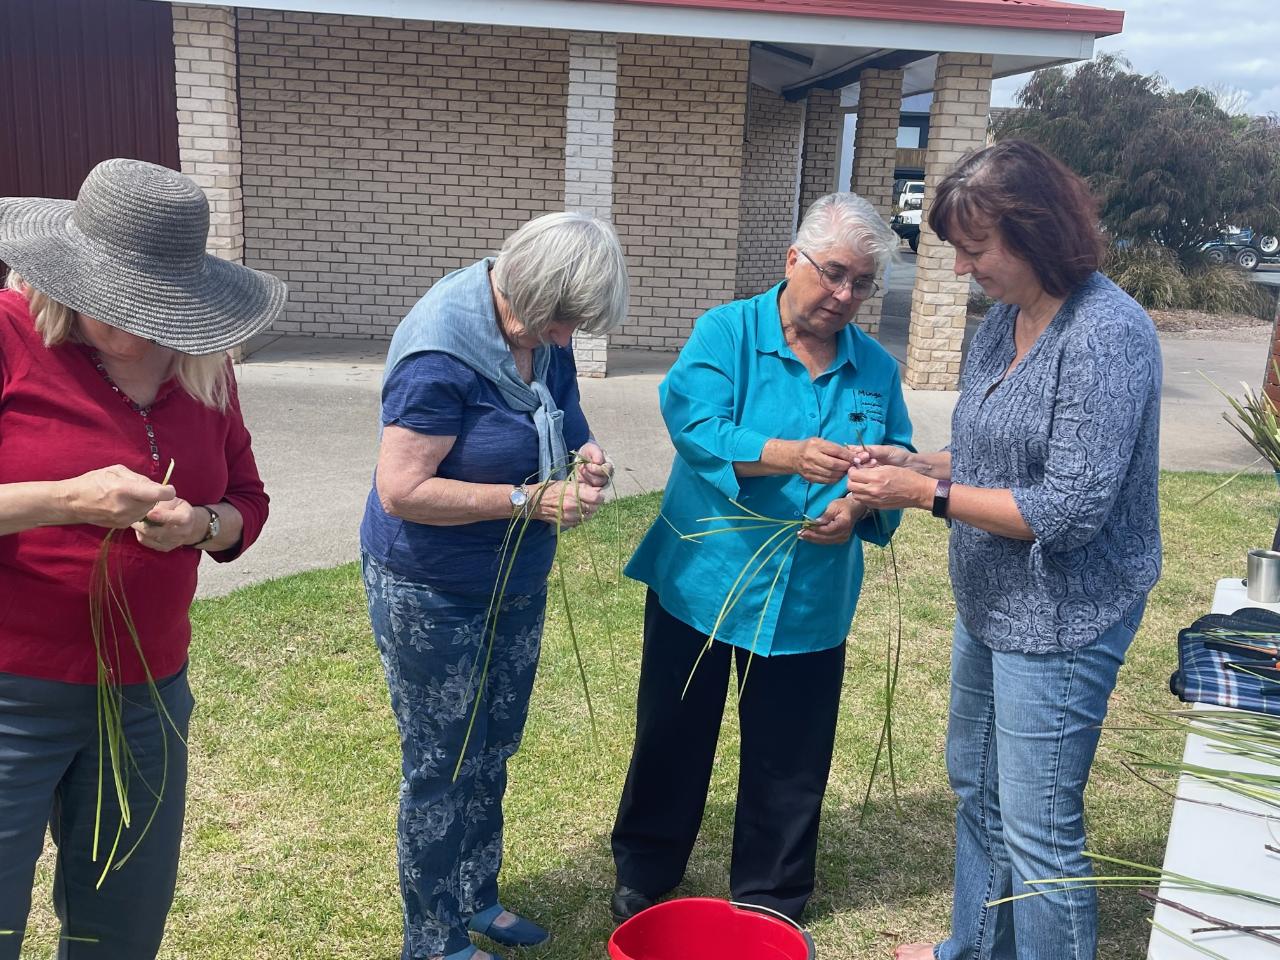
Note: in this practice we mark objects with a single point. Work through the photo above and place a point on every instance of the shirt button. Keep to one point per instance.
(813, 416)
(796, 513)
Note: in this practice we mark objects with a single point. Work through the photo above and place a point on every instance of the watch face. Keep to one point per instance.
(519, 497)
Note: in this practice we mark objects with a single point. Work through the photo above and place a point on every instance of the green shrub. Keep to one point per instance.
(979, 303)
(1149, 273)
(1155, 277)
(1225, 289)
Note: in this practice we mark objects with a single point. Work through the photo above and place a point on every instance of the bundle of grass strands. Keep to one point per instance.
(109, 616)
(781, 536)
(1161, 886)
(507, 557)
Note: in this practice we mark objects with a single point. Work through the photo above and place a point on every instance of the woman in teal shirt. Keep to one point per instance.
(765, 405)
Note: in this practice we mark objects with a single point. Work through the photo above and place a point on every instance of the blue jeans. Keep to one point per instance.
(1021, 738)
(449, 832)
(49, 776)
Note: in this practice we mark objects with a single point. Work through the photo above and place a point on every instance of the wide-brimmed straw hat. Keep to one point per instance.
(130, 251)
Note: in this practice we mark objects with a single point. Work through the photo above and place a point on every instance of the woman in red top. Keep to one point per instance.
(113, 329)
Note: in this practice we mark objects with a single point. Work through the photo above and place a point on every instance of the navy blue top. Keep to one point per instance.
(437, 395)
(1074, 431)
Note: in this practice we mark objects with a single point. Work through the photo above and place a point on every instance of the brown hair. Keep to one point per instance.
(1045, 213)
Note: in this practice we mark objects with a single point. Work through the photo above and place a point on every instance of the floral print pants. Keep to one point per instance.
(449, 838)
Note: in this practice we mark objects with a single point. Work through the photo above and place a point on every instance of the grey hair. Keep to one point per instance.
(847, 221)
(564, 268)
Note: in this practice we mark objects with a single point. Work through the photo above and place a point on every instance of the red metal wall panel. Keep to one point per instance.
(83, 81)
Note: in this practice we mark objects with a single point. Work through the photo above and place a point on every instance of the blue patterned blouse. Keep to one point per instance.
(1073, 430)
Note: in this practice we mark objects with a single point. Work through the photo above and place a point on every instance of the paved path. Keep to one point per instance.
(312, 406)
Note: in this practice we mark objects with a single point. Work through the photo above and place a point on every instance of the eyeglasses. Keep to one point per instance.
(833, 278)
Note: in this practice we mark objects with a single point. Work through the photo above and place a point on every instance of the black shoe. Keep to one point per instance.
(626, 902)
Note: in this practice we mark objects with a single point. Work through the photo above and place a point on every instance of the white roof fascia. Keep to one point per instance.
(603, 17)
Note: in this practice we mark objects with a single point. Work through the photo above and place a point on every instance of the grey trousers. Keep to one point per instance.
(49, 776)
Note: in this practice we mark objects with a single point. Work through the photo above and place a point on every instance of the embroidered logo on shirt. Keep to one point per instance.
(868, 405)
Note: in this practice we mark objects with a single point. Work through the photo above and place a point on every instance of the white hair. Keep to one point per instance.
(846, 221)
(564, 268)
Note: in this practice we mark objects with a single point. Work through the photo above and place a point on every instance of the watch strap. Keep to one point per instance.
(214, 525)
(942, 500)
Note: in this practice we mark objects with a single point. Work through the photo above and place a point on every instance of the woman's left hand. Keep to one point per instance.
(597, 470)
(835, 526)
(890, 488)
(172, 524)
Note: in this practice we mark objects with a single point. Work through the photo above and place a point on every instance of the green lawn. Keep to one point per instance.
(290, 851)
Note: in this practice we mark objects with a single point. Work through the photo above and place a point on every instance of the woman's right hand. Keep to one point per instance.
(568, 502)
(112, 496)
(821, 461)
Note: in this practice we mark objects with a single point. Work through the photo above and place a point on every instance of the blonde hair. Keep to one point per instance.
(206, 378)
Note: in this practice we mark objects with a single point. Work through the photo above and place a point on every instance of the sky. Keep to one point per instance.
(1233, 45)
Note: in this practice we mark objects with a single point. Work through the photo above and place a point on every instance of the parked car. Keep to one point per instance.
(906, 224)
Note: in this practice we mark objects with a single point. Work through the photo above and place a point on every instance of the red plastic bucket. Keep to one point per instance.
(710, 930)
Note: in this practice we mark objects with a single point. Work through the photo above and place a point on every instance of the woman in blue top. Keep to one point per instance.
(479, 414)
(1050, 486)
(765, 405)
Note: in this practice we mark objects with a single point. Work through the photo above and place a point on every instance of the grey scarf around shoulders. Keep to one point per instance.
(457, 316)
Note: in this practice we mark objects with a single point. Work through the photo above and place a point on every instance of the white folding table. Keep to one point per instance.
(1220, 846)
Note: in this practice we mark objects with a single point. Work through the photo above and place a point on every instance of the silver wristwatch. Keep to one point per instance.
(215, 527)
(519, 499)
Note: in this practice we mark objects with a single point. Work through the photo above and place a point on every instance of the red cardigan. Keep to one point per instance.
(59, 418)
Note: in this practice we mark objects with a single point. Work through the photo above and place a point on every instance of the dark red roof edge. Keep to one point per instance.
(1017, 14)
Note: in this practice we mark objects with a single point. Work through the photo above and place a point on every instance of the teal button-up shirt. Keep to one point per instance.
(736, 385)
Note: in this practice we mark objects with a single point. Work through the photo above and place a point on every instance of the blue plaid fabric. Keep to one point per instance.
(1203, 675)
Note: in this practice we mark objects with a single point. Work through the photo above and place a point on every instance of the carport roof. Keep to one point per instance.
(796, 44)
(1027, 14)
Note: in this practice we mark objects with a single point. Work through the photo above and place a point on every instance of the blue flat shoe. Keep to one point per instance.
(522, 933)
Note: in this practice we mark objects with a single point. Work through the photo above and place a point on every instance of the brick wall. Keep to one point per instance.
(823, 133)
(770, 189)
(380, 154)
(204, 47)
(957, 124)
(677, 171)
(875, 148)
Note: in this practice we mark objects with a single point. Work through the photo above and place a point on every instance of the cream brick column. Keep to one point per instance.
(875, 144)
(204, 47)
(677, 186)
(823, 131)
(588, 154)
(770, 188)
(957, 125)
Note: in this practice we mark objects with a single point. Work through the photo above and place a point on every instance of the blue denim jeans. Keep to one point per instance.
(49, 777)
(449, 832)
(1021, 738)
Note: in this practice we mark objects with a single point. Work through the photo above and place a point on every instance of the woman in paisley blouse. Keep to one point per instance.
(479, 395)
(1049, 487)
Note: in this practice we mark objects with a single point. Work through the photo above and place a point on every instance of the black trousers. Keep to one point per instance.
(787, 713)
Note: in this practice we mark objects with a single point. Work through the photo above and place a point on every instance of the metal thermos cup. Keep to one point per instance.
(1264, 576)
